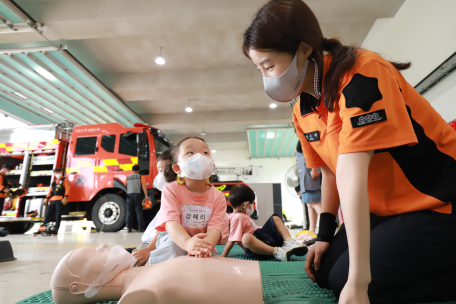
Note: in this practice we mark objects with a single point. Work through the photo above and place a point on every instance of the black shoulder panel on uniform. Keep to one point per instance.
(362, 92)
(305, 105)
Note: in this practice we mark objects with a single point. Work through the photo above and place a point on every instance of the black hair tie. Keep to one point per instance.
(325, 44)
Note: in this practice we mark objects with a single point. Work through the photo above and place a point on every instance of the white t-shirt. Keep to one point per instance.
(150, 231)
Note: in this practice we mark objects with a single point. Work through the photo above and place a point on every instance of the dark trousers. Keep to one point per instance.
(134, 204)
(269, 235)
(412, 259)
(2, 202)
(54, 207)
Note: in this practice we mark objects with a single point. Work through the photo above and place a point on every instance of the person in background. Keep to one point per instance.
(5, 186)
(272, 240)
(57, 198)
(310, 188)
(149, 238)
(136, 189)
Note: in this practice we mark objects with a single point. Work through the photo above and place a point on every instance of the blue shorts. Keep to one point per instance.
(269, 235)
(311, 196)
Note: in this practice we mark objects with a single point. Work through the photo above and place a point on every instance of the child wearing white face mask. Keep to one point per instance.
(272, 240)
(192, 211)
(149, 238)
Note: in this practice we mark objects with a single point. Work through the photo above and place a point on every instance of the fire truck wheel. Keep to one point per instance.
(109, 213)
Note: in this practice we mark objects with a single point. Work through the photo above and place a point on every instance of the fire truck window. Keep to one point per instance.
(160, 146)
(128, 145)
(108, 142)
(86, 145)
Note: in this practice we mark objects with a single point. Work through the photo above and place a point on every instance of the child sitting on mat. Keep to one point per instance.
(192, 211)
(273, 239)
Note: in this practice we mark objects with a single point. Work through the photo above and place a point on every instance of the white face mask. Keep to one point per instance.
(197, 167)
(250, 210)
(118, 259)
(160, 181)
(57, 176)
(287, 86)
(7, 173)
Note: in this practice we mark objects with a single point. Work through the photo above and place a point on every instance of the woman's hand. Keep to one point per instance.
(314, 258)
(354, 293)
(314, 173)
(198, 246)
(142, 256)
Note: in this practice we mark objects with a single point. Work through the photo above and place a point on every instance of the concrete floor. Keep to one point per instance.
(38, 256)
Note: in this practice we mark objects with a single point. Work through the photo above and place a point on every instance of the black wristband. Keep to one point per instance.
(327, 227)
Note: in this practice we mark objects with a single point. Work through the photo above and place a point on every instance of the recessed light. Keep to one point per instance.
(273, 105)
(160, 60)
(214, 151)
(188, 109)
(45, 73)
(47, 110)
(20, 95)
(270, 135)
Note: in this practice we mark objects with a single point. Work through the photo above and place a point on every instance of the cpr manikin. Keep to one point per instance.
(182, 280)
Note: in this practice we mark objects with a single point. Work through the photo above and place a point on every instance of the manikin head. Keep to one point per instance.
(76, 271)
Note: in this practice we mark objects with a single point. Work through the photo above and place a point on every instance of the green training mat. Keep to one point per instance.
(283, 283)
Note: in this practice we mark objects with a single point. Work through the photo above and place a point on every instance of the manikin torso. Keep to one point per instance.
(182, 280)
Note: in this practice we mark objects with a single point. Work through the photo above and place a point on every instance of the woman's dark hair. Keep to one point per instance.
(239, 194)
(281, 25)
(173, 156)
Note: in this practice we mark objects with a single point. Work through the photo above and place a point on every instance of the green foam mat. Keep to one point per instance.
(237, 253)
(283, 283)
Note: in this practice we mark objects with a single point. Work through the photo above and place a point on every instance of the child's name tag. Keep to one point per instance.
(195, 216)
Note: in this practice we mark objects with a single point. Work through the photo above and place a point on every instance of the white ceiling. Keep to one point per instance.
(118, 40)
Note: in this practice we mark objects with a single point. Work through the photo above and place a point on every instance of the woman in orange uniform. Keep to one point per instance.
(387, 157)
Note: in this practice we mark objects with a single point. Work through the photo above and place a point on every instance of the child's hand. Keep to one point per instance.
(199, 247)
(142, 256)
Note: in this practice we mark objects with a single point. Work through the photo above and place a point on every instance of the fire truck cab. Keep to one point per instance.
(100, 157)
(96, 159)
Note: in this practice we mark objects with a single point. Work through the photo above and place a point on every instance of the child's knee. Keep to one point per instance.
(247, 240)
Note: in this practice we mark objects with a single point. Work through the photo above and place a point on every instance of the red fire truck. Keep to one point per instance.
(96, 158)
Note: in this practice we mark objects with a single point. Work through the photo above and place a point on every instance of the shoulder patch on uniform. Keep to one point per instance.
(362, 92)
(312, 136)
(367, 119)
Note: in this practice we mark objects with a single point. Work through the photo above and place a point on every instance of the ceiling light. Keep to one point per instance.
(159, 59)
(47, 110)
(273, 105)
(45, 73)
(20, 95)
(203, 133)
(188, 109)
(270, 135)
(214, 151)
